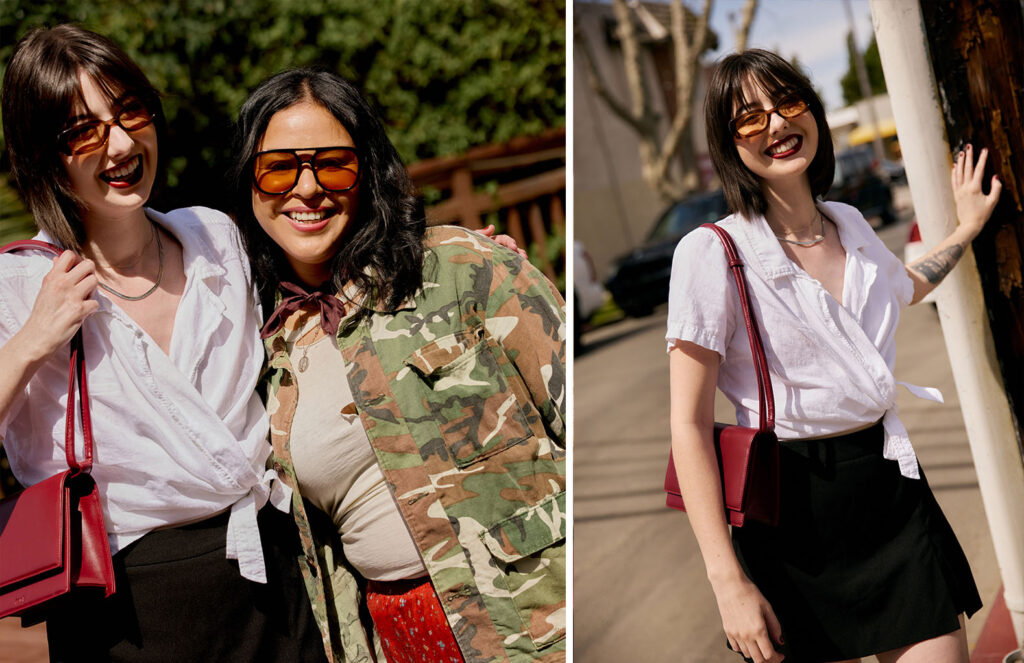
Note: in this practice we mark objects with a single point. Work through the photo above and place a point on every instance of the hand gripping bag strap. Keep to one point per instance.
(52, 554)
(765, 395)
(76, 369)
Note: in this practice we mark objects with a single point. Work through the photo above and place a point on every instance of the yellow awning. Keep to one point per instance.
(866, 133)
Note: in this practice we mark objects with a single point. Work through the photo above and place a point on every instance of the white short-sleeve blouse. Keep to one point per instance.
(178, 437)
(831, 363)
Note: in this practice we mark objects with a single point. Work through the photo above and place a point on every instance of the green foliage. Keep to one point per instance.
(873, 65)
(446, 74)
(551, 250)
(15, 221)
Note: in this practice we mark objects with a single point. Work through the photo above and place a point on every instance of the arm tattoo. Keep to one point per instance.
(935, 267)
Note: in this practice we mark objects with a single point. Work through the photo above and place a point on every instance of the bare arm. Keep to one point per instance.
(61, 306)
(747, 618)
(973, 209)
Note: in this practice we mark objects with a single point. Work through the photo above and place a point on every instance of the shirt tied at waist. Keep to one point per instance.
(244, 543)
(897, 442)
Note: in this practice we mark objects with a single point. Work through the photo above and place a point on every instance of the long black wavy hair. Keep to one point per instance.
(383, 253)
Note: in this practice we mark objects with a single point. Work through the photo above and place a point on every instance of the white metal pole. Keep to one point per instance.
(902, 45)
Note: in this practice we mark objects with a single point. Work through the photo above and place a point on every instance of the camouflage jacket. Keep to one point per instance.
(462, 394)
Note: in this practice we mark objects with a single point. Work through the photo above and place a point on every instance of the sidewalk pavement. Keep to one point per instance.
(18, 645)
(621, 524)
(997, 637)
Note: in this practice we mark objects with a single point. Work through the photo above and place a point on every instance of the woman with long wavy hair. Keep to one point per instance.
(416, 390)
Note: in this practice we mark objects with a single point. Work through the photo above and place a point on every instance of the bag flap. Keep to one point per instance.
(32, 526)
(738, 446)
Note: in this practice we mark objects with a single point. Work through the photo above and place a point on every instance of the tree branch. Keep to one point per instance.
(687, 56)
(742, 32)
(638, 92)
(597, 84)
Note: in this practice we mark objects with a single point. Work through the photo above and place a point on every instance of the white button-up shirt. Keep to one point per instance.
(177, 437)
(831, 363)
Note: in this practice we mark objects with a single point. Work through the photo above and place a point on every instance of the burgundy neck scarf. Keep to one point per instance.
(332, 309)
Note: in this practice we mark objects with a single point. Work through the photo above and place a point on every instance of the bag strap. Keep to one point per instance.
(76, 369)
(765, 395)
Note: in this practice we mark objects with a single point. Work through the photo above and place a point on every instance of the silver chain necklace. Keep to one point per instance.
(807, 242)
(159, 275)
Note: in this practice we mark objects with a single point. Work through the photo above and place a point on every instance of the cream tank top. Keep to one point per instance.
(336, 468)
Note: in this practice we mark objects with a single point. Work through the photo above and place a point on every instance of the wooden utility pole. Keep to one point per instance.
(975, 49)
(958, 72)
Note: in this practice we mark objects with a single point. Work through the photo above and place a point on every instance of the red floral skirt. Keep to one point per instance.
(412, 625)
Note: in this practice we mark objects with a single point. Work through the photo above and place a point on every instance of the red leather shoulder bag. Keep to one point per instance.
(748, 458)
(53, 539)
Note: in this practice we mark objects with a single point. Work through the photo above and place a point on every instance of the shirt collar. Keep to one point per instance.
(195, 247)
(763, 251)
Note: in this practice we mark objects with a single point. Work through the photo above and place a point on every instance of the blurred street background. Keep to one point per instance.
(643, 179)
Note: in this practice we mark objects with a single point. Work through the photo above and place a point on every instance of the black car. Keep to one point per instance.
(639, 280)
(860, 183)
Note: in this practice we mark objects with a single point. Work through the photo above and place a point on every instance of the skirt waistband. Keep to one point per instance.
(392, 587)
(203, 537)
(858, 444)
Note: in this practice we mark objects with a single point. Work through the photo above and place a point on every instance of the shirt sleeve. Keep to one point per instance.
(15, 282)
(890, 267)
(702, 296)
(536, 344)
(903, 285)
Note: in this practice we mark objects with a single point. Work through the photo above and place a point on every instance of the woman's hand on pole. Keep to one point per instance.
(973, 207)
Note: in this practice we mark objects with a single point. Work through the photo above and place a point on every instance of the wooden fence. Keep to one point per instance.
(518, 185)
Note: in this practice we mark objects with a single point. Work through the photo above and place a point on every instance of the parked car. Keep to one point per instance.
(913, 250)
(894, 171)
(587, 292)
(639, 279)
(859, 181)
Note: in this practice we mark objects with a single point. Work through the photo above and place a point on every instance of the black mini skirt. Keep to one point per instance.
(180, 599)
(862, 561)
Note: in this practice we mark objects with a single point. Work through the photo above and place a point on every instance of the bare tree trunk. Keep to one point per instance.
(746, 18)
(659, 152)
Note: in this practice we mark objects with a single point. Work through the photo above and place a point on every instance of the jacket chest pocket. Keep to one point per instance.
(474, 394)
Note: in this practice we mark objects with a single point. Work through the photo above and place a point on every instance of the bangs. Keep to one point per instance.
(735, 81)
(742, 82)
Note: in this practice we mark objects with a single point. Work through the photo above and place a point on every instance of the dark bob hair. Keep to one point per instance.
(382, 254)
(775, 77)
(40, 89)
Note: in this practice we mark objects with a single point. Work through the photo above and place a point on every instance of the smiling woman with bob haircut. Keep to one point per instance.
(862, 561)
(173, 356)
